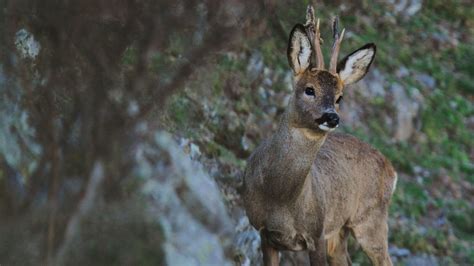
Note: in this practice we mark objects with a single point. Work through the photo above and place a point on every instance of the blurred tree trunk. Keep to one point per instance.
(99, 69)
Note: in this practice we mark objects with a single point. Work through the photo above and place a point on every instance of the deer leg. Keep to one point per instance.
(270, 254)
(372, 235)
(318, 256)
(337, 249)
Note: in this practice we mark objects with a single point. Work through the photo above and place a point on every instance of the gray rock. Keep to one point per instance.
(398, 252)
(402, 72)
(26, 44)
(187, 204)
(413, 7)
(373, 84)
(407, 8)
(421, 260)
(17, 137)
(247, 144)
(357, 98)
(398, 106)
(247, 243)
(407, 109)
(426, 80)
(288, 81)
(255, 65)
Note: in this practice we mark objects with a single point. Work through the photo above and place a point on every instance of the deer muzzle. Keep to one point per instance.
(328, 121)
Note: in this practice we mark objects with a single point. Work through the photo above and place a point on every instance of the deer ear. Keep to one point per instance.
(354, 66)
(299, 50)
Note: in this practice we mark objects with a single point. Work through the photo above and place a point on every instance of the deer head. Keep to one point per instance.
(317, 91)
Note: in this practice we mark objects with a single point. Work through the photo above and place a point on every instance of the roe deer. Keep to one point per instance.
(306, 188)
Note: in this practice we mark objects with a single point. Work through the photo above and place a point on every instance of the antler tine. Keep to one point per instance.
(335, 27)
(336, 45)
(315, 36)
(309, 15)
(317, 46)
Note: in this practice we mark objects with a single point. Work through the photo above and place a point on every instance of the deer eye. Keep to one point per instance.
(309, 91)
(339, 99)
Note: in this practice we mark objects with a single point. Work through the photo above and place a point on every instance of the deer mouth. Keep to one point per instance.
(326, 127)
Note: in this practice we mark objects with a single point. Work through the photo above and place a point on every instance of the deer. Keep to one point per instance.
(307, 187)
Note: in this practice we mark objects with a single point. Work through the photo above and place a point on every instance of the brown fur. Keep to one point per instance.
(348, 188)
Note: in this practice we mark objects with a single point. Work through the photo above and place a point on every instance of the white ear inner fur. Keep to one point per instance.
(301, 52)
(356, 66)
(305, 53)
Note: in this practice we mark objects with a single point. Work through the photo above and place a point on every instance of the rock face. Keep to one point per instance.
(356, 106)
(406, 8)
(396, 107)
(175, 216)
(18, 148)
(26, 44)
(407, 111)
(187, 204)
(247, 243)
(422, 260)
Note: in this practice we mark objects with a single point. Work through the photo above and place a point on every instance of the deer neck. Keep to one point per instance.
(293, 151)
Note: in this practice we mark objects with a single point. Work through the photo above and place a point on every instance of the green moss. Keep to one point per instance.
(216, 150)
(179, 111)
(130, 56)
(410, 200)
(461, 214)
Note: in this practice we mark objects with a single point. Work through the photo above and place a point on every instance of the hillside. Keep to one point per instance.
(126, 126)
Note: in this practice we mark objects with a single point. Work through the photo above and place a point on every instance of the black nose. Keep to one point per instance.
(331, 118)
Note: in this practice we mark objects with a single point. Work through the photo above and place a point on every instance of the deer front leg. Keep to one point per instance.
(270, 254)
(318, 256)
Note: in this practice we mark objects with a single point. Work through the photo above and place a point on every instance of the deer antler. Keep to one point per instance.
(336, 45)
(315, 35)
